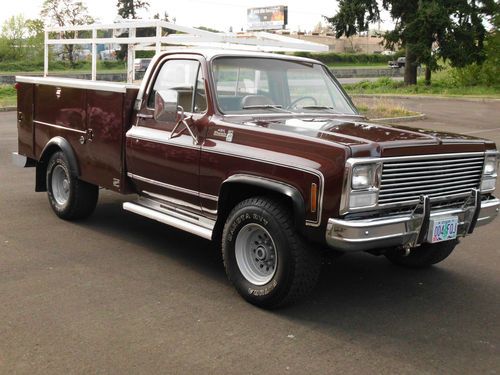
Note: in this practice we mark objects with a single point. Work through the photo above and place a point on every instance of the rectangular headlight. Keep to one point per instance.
(361, 184)
(490, 165)
(490, 169)
(364, 176)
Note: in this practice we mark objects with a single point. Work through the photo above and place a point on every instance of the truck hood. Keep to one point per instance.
(366, 138)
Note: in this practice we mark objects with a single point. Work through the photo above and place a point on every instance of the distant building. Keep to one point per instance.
(370, 43)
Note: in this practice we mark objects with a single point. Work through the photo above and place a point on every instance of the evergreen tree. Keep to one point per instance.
(127, 9)
(427, 29)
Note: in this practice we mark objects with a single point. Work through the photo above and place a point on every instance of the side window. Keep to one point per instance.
(200, 98)
(178, 75)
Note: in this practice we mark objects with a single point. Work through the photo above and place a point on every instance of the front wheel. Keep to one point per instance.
(265, 259)
(69, 197)
(423, 256)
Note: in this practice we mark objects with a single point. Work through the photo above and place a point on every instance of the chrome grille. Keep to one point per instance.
(441, 177)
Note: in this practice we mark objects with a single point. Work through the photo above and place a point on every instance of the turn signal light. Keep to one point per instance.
(314, 197)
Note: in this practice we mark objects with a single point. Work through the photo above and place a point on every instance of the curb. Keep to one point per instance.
(7, 109)
(420, 116)
(434, 97)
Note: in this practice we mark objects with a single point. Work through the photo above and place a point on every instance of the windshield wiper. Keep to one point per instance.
(331, 109)
(266, 106)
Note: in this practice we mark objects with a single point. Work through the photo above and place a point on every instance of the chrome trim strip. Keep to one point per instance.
(155, 135)
(430, 189)
(163, 198)
(209, 197)
(171, 187)
(59, 127)
(419, 157)
(76, 83)
(169, 220)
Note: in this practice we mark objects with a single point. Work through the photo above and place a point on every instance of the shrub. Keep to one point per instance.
(332, 58)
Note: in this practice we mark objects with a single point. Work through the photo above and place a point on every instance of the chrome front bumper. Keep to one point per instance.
(407, 230)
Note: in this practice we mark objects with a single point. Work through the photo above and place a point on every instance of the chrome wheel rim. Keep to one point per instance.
(60, 185)
(256, 254)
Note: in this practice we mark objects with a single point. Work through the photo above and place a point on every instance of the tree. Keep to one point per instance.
(14, 34)
(66, 13)
(127, 9)
(165, 17)
(427, 29)
(21, 39)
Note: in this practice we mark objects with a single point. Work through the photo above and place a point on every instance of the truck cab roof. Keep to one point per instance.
(211, 53)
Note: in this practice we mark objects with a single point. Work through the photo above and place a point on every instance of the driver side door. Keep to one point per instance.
(162, 164)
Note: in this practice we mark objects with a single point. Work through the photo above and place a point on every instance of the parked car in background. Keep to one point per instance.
(388, 53)
(399, 63)
(140, 65)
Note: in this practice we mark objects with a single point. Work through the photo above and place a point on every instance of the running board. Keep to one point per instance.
(169, 220)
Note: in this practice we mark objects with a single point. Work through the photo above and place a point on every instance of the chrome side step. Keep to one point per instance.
(164, 218)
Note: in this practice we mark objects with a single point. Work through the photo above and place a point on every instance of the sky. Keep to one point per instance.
(217, 14)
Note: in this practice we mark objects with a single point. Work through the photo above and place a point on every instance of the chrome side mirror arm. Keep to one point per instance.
(183, 121)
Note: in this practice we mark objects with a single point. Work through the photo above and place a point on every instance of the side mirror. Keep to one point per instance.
(166, 104)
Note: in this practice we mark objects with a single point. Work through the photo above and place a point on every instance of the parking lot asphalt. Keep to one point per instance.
(120, 294)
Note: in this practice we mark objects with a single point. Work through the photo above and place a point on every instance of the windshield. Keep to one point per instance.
(261, 85)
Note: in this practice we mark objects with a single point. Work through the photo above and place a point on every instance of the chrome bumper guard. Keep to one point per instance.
(408, 230)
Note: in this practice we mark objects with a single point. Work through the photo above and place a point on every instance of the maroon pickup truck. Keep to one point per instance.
(263, 153)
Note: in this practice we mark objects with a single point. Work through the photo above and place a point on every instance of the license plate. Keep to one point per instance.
(443, 229)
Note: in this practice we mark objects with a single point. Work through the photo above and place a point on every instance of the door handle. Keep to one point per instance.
(144, 116)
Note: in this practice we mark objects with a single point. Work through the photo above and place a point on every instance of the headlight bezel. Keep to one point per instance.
(369, 190)
(489, 177)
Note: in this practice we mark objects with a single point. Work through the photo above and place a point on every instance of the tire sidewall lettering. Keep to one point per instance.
(264, 219)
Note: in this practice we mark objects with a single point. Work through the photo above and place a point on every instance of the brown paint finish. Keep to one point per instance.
(282, 157)
(63, 106)
(25, 120)
(101, 161)
(73, 113)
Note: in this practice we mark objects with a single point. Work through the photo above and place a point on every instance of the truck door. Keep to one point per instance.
(164, 165)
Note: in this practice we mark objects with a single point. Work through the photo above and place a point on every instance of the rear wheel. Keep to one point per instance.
(69, 197)
(423, 256)
(265, 259)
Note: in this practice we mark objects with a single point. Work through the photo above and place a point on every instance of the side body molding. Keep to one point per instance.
(55, 144)
(299, 211)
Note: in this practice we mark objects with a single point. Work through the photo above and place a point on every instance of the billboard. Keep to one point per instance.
(267, 18)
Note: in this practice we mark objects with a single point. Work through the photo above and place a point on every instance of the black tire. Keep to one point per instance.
(297, 266)
(423, 256)
(73, 199)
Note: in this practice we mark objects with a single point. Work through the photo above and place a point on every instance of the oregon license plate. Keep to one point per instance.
(443, 229)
